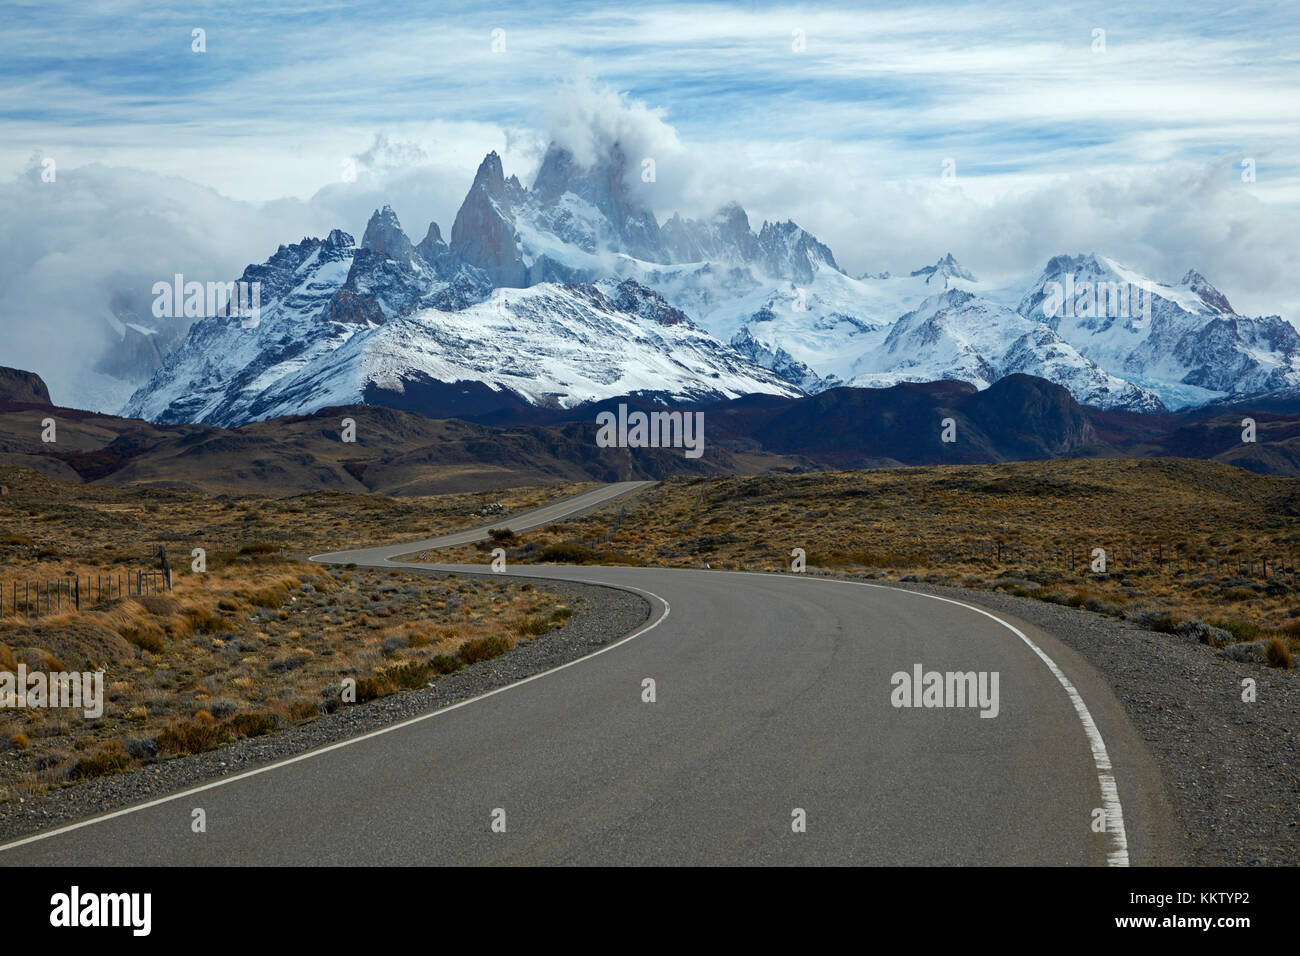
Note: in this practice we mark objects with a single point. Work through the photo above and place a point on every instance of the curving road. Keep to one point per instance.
(773, 694)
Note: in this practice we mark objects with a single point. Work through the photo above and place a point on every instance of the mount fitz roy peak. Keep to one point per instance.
(571, 291)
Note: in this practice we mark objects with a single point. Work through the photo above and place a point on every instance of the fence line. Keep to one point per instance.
(38, 598)
(613, 528)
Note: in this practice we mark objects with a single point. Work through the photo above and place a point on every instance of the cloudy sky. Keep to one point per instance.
(1120, 128)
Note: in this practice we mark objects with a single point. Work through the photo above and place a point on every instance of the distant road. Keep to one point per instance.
(547, 514)
(772, 696)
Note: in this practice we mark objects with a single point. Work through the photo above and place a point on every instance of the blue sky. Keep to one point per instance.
(207, 161)
(1005, 89)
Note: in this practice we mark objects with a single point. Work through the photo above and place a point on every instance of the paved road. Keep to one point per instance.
(568, 508)
(773, 695)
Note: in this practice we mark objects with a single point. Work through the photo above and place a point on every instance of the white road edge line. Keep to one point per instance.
(36, 837)
(1118, 854)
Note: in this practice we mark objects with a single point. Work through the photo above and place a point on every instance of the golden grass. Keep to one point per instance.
(101, 528)
(946, 525)
(248, 648)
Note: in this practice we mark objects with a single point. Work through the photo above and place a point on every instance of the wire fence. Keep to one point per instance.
(73, 592)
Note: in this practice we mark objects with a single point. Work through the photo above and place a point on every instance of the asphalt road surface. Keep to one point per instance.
(772, 739)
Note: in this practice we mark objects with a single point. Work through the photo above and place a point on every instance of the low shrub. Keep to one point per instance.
(1097, 605)
(371, 688)
(444, 664)
(303, 710)
(192, 738)
(482, 649)
(142, 748)
(264, 597)
(1205, 634)
(207, 622)
(1240, 630)
(408, 676)
(402, 677)
(568, 552)
(532, 626)
(222, 708)
(1277, 655)
(260, 547)
(103, 764)
(1162, 622)
(253, 724)
(144, 639)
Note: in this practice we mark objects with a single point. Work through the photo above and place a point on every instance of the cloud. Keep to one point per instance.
(1160, 221)
(588, 118)
(387, 154)
(98, 236)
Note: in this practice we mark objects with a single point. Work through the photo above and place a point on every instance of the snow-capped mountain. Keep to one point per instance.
(550, 345)
(341, 324)
(776, 294)
(819, 328)
(571, 290)
(958, 335)
(307, 310)
(943, 270)
(1184, 342)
